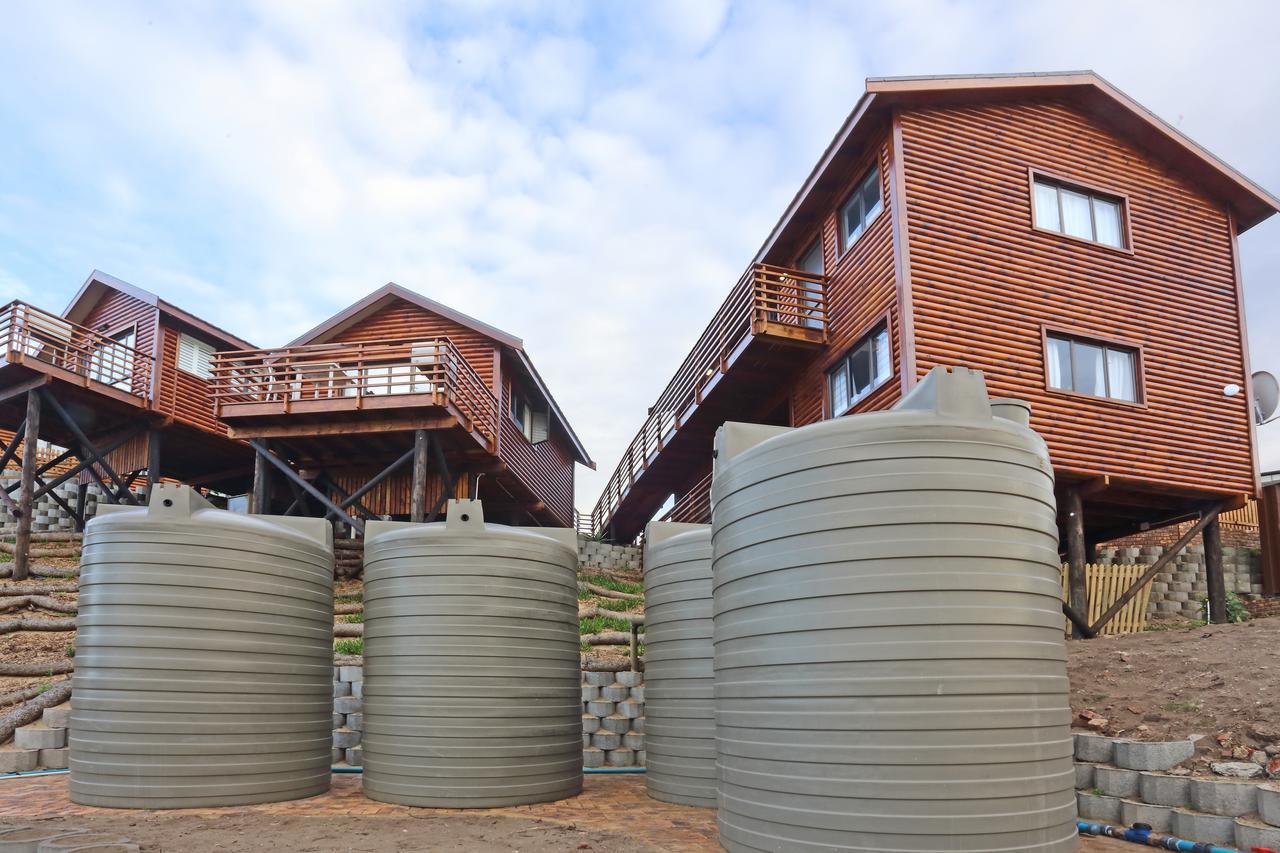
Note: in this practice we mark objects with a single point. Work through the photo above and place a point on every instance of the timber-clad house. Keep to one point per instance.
(1045, 229)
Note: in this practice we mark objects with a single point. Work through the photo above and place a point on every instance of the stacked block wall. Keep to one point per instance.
(1182, 588)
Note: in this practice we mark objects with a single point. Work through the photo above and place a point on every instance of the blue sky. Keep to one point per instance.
(590, 176)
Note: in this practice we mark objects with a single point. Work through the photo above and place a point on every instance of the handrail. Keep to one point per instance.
(356, 371)
(694, 507)
(764, 296)
(31, 333)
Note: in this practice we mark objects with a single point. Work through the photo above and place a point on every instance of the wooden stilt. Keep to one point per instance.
(153, 461)
(260, 497)
(27, 489)
(82, 504)
(418, 505)
(1213, 569)
(1078, 594)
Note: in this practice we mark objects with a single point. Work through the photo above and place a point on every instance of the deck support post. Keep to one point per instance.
(294, 477)
(153, 461)
(418, 504)
(1212, 536)
(260, 497)
(27, 488)
(82, 505)
(1077, 591)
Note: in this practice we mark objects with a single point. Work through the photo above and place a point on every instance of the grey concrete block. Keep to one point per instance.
(600, 708)
(616, 723)
(590, 693)
(606, 740)
(53, 759)
(345, 738)
(642, 758)
(355, 756)
(1095, 749)
(1251, 834)
(614, 692)
(592, 757)
(637, 693)
(1269, 804)
(630, 709)
(339, 720)
(590, 723)
(1162, 790)
(1097, 807)
(341, 688)
(637, 725)
(1159, 818)
(351, 673)
(598, 679)
(18, 760)
(348, 705)
(633, 740)
(1084, 776)
(37, 736)
(1203, 828)
(1152, 755)
(357, 689)
(355, 722)
(57, 718)
(1221, 797)
(620, 757)
(337, 756)
(1116, 781)
(586, 740)
(628, 678)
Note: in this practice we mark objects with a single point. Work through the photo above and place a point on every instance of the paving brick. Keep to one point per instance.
(1152, 755)
(1224, 798)
(1159, 818)
(1097, 807)
(36, 736)
(1095, 749)
(53, 759)
(1162, 790)
(1116, 781)
(348, 705)
(1203, 828)
(1251, 834)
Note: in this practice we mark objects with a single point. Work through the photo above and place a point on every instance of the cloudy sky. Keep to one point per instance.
(592, 177)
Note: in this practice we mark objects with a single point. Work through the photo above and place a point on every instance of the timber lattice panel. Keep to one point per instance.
(1105, 585)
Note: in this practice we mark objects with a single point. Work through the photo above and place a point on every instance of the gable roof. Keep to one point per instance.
(388, 293)
(98, 283)
(1101, 100)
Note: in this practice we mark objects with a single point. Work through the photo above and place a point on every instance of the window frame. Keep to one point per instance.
(843, 242)
(1084, 337)
(843, 359)
(515, 395)
(177, 356)
(1062, 182)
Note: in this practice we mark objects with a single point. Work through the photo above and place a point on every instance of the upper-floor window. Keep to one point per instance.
(1092, 367)
(862, 370)
(1080, 213)
(195, 356)
(534, 423)
(862, 208)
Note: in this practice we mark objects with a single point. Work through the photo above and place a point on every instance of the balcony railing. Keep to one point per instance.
(320, 377)
(768, 301)
(28, 334)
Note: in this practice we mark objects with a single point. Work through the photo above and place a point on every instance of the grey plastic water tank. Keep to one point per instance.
(889, 657)
(679, 688)
(472, 684)
(204, 657)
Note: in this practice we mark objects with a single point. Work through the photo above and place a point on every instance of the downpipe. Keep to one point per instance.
(1140, 833)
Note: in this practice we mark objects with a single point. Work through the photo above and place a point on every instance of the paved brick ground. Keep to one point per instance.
(608, 803)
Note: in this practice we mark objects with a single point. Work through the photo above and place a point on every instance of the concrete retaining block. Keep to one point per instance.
(357, 689)
(637, 725)
(1152, 755)
(53, 759)
(615, 692)
(339, 720)
(620, 757)
(341, 688)
(1094, 749)
(1159, 818)
(1084, 776)
(1204, 828)
(599, 679)
(630, 709)
(637, 693)
(351, 673)
(590, 693)
(1224, 798)
(616, 723)
(355, 756)
(36, 736)
(1269, 804)
(606, 740)
(348, 705)
(586, 740)
(345, 738)
(642, 758)
(57, 718)
(592, 757)
(1116, 781)
(600, 708)
(1251, 834)
(17, 760)
(1162, 790)
(337, 756)
(590, 723)
(628, 678)
(633, 740)
(1097, 807)
(355, 722)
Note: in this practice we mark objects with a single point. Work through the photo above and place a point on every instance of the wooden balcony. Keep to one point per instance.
(334, 381)
(45, 343)
(771, 315)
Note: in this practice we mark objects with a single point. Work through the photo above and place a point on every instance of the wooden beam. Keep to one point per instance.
(260, 496)
(80, 465)
(26, 494)
(87, 450)
(1077, 591)
(1094, 486)
(418, 499)
(292, 475)
(1213, 572)
(371, 484)
(11, 449)
(341, 427)
(1158, 566)
(23, 387)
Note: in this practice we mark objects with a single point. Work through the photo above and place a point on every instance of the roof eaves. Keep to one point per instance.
(527, 363)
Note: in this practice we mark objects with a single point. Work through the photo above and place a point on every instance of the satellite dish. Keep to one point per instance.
(1266, 395)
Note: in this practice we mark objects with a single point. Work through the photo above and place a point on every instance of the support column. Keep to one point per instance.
(418, 505)
(82, 503)
(1077, 592)
(1213, 570)
(26, 489)
(260, 497)
(153, 461)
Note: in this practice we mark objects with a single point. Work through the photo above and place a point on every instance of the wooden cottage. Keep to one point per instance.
(1045, 229)
(121, 379)
(392, 406)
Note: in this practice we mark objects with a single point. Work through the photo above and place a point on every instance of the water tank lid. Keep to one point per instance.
(466, 518)
(660, 531)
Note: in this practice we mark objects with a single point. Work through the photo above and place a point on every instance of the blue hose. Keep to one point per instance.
(1144, 835)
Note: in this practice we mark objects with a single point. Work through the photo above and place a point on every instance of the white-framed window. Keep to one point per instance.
(866, 367)
(535, 424)
(1091, 367)
(861, 209)
(1077, 212)
(195, 356)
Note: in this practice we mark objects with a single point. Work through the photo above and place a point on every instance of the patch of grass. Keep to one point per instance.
(1097, 792)
(615, 584)
(353, 618)
(596, 624)
(617, 605)
(349, 646)
(1236, 611)
(45, 685)
(583, 595)
(70, 650)
(349, 598)
(1178, 705)
(584, 646)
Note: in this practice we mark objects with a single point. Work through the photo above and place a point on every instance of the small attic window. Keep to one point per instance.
(195, 356)
(534, 424)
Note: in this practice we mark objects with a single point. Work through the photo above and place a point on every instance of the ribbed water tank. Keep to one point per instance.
(472, 684)
(679, 688)
(889, 658)
(204, 657)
